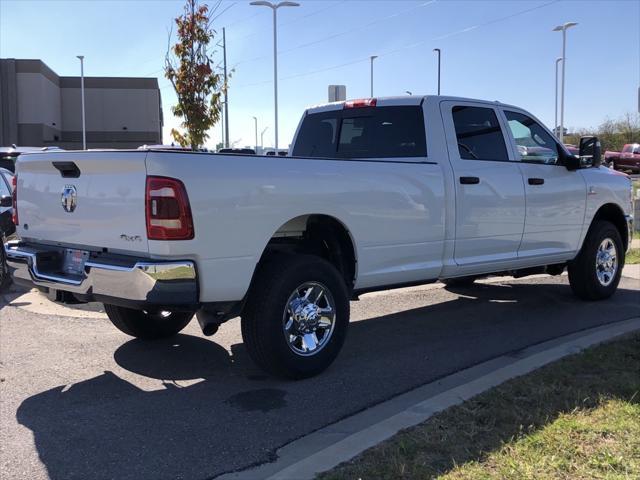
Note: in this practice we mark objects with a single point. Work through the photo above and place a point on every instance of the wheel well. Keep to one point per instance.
(320, 235)
(612, 213)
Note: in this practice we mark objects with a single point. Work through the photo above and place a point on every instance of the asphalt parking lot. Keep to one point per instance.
(81, 400)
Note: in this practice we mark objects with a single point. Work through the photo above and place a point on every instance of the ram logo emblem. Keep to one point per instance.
(69, 198)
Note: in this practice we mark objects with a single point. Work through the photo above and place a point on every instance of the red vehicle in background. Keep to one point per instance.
(627, 159)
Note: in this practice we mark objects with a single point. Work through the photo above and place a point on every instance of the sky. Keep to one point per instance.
(496, 50)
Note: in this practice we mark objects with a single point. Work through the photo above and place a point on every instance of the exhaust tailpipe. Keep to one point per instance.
(209, 322)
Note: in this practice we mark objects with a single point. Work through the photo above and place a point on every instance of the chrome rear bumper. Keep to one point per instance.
(121, 280)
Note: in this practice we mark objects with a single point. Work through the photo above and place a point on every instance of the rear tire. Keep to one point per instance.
(595, 273)
(287, 331)
(147, 325)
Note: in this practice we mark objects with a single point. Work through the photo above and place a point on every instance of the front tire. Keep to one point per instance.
(595, 273)
(147, 325)
(296, 318)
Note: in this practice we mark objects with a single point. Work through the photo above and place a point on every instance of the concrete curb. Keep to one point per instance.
(342, 441)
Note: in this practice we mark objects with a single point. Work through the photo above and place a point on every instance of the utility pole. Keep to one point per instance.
(262, 138)
(372, 57)
(226, 90)
(222, 127)
(84, 130)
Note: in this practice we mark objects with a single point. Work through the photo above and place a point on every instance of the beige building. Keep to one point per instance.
(40, 108)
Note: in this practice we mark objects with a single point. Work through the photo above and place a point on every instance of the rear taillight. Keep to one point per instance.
(14, 196)
(168, 210)
(360, 103)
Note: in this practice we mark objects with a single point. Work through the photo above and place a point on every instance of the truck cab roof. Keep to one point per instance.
(394, 101)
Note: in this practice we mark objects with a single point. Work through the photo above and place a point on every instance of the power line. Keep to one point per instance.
(405, 47)
(294, 20)
(339, 34)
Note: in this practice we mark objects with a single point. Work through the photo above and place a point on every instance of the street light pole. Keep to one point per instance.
(555, 122)
(84, 130)
(563, 29)
(255, 121)
(262, 138)
(372, 57)
(274, 7)
(439, 52)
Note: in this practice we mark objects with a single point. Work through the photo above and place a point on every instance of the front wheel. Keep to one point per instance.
(595, 273)
(145, 324)
(297, 315)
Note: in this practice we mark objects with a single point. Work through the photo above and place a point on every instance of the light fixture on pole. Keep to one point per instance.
(439, 53)
(372, 58)
(255, 121)
(274, 7)
(555, 122)
(563, 29)
(84, 130)
(408, 92)
(262, 138)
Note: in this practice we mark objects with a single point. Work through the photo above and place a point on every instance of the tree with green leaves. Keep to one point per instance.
(194, 76)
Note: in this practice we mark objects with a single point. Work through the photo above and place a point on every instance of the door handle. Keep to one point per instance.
(469, 180)
(536, 181)
(67, 169)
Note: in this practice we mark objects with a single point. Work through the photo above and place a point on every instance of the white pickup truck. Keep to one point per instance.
(376, 194)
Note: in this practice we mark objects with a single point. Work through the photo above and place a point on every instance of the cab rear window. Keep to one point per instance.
(370, 132)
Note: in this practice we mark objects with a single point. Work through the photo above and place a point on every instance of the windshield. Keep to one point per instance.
(8, 161)
(9, 177)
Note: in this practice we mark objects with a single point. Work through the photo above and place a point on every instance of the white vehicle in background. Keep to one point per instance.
(376, 194)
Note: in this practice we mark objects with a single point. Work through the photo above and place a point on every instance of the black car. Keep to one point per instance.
(7, 228)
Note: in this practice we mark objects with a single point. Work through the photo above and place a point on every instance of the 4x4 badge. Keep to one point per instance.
(69, 198)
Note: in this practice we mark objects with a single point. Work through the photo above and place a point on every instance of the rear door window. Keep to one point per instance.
(370, 132)
(479, 134)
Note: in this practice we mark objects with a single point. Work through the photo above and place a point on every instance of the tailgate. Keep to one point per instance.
(92, 199)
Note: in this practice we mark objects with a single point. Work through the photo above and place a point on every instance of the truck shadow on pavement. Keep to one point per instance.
(217, 412)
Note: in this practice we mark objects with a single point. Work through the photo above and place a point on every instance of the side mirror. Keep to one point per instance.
(571, 162)
(590, 152)
(6, 201)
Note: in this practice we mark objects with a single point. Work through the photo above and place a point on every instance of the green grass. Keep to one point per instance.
(578, 418)
(177, 274)
(633, 256)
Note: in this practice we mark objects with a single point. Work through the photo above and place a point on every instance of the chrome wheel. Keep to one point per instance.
(309, 318)
(606, 262)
